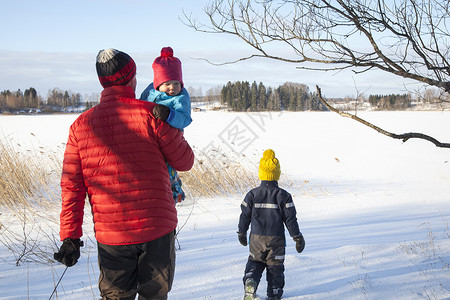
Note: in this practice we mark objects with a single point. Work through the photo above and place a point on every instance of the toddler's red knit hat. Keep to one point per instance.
(114, 67)
(166, 67)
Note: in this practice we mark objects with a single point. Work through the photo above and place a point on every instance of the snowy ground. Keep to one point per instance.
(374, 211)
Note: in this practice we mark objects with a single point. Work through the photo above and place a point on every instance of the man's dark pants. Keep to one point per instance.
(146, 269)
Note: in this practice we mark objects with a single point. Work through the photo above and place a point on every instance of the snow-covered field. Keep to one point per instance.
(374, 211)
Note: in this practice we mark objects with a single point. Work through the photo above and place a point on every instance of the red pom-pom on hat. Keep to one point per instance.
(167, 52)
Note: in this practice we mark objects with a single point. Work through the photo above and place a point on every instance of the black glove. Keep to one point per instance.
(242, 237)
(299, 243)
(161, 112)
(69, 252)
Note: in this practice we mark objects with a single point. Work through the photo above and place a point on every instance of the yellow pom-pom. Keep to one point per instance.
(269, 153)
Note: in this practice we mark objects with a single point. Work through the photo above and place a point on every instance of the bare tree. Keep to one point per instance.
(407, 38)
(213, 94)
(195, 93)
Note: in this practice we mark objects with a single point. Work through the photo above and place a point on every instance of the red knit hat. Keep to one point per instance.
(166, 67)
(114, 67)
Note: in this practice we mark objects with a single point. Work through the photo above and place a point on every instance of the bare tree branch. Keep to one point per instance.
(404, 136)
(408, 38)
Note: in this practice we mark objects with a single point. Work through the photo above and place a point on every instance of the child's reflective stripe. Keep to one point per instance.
(290, 204)
(265, 205)
(244, 203)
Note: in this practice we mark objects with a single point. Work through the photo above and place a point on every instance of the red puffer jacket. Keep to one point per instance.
(116, 153)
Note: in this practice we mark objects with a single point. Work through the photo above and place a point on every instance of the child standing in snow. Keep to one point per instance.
(174, 103)
(268, 208)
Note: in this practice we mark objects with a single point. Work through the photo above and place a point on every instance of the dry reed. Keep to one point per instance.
(28, 177)
(215, 175)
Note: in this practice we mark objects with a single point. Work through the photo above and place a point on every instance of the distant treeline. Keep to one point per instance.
(237, 96)
(20, 100)
(57, 100)
(390, 102)
(241, 96)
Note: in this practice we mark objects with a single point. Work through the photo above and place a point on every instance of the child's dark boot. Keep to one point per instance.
(275, 294)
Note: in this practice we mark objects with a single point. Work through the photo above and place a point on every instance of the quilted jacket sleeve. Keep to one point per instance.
(73, 192)
(174, 147)
(180, 105)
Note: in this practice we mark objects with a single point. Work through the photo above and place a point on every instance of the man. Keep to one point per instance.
(116, 154)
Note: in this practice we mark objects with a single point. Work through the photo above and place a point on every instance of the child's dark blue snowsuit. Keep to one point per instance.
(268, 208)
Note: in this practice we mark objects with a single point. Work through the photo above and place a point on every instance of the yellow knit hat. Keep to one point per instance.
(269, 166)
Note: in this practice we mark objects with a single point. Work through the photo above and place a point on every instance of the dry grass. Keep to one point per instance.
(218, 174)
(28, 177)
(29, 196)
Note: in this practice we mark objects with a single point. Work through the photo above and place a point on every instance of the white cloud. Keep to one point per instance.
(44, 71)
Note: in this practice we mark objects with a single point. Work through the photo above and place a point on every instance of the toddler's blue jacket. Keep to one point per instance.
(180, 105)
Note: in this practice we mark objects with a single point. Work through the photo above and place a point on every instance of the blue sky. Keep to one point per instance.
(53, 43)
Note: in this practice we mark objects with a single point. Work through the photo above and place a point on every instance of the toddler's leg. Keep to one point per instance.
(275, 281)
(275, 269)
(254, 270)
(175, 184)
